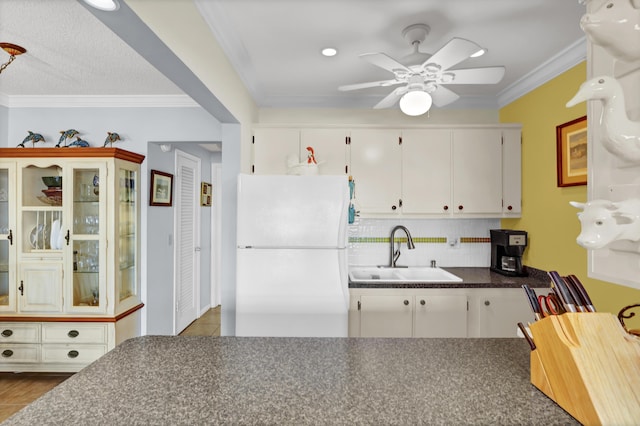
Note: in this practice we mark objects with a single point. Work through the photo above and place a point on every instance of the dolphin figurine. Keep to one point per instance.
(621, 136)
(111, 138)
(64, 135)
(79, 142)
(33, 137)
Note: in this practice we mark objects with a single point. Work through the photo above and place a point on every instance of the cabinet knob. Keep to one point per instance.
(406, 303)
(393, 207)
(487, 303)
(7, 353)
(73, 333)
(73, 354)
(446, 208)
(423, 302)
(7, 333)
(509, 207)
(460, 207)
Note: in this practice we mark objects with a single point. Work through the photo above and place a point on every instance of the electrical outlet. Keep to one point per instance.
(453, 242)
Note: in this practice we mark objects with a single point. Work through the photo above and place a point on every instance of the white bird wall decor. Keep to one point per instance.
(621, 136)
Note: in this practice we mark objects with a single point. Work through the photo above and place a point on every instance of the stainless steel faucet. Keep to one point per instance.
(395, 254)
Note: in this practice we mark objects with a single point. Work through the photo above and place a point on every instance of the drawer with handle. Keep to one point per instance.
(19, 332)
(19, 353)
(74, 333)
(83, 354)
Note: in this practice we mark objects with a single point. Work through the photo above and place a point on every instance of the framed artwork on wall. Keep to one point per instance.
(206, 194)
(571, 148)
(161, 190)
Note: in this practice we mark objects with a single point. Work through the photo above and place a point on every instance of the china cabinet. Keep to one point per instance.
(69, 255)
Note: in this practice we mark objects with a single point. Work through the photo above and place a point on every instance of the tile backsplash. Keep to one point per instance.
(450, 242)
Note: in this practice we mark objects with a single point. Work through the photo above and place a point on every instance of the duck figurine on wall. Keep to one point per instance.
(615, 26)
(621, 136)
(33, 137)
(64, 135)
(111, 138)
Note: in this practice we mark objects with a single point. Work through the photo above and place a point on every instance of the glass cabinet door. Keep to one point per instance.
(88, 252)
(127, 232)
(7, 232)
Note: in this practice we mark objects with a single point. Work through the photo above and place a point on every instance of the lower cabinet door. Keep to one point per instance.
(440, 316)
(19, 353)
(386, 316)
(72, 354)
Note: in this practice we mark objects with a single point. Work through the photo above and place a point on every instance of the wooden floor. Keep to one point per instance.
(19, 389)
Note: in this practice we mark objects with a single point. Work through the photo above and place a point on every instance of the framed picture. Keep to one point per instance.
(161, 191)
(206, 193)
(571, 146)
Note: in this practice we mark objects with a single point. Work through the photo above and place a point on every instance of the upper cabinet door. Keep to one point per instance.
(376, 158)
(329, 148)
(512, 172)
(7, 237)
(477, 171)
(426, 171)
(272, 148)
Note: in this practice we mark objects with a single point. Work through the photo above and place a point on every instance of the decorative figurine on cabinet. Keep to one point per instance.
(64, 135)
(620, 136)
(604, 222)
(111, 138)
(79, 143)
(615, 26)
(33, 137)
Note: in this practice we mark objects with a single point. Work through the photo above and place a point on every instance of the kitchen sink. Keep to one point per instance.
(416, 274)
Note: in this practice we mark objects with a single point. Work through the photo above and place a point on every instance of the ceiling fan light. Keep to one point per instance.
(479, 53)
(329, 51)
(415, 103)
(106, 5)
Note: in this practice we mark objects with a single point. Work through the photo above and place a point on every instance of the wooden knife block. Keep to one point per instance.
(589, 365)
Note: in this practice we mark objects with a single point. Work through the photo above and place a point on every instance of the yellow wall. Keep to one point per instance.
(548, 218)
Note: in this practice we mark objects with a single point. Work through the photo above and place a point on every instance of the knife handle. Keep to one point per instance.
(583, 293)
(575, 294)
(563, 292)
(533, 301)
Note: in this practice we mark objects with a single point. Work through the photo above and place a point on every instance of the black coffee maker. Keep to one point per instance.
(507, 248)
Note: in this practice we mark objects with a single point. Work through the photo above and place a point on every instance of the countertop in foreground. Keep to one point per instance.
(329, 381)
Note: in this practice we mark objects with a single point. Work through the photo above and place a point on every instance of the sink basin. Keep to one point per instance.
(417, 274)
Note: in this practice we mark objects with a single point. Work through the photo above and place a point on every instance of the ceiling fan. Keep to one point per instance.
(424, 76)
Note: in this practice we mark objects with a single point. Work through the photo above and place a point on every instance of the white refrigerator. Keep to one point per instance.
(292, 272)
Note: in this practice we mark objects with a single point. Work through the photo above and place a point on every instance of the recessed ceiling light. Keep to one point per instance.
(329, 51)
(107, 5)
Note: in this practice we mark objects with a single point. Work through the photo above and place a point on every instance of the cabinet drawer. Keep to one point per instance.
(72, 353)
(74, 333)
(19, 353)
(19, 332)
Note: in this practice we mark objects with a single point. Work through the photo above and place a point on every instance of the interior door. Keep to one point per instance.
(187, 240)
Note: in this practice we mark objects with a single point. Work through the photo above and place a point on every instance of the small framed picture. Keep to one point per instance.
(161, 190)
(571, 146)
(206, 194)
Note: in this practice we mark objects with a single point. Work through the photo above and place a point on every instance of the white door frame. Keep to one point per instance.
(216, 230)
(196, 239)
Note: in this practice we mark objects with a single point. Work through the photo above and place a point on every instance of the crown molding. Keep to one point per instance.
(108, 101)
(563, 61)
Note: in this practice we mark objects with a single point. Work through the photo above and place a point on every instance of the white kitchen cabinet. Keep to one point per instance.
(271, 147)
(511, 173)
(386, 316)
(69, 255)
(496, 312)
(376, 166)
(426, 171)
(477, 171)
(408, 313)
(331, 149)
(443, 315)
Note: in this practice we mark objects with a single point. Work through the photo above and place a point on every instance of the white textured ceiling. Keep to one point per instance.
(275, 46)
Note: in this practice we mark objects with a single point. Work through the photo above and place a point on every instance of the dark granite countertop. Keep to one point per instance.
(473, 278)
(158, 380)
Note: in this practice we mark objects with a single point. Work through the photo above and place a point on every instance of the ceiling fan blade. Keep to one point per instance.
(443, 96)
(391, 99)
(487, 75)
(382, 83)
(455, 51)
(385, 62)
